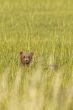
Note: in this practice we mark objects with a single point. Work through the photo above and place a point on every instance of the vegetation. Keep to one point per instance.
(44, 27)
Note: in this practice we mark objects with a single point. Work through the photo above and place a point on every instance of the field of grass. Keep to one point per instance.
(44, 27)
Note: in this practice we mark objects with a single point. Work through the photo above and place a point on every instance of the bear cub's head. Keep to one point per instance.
(26, 58)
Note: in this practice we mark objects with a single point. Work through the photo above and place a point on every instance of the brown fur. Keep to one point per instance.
(25, 58)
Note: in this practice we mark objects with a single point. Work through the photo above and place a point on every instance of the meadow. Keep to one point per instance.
(44, 27)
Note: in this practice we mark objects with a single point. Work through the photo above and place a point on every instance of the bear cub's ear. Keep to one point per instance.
(31, 53)
(21, 52)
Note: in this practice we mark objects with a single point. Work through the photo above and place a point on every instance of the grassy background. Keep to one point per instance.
(44, 27)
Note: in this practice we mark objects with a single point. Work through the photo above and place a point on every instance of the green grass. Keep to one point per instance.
(44, 27)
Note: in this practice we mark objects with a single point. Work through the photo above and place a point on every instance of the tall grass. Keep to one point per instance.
(36, 89)
(45, 28)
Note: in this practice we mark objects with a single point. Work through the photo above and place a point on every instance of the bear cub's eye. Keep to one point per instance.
(23, 56)
(29, 57)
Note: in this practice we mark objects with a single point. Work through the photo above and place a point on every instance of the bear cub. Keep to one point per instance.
(26, 58)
